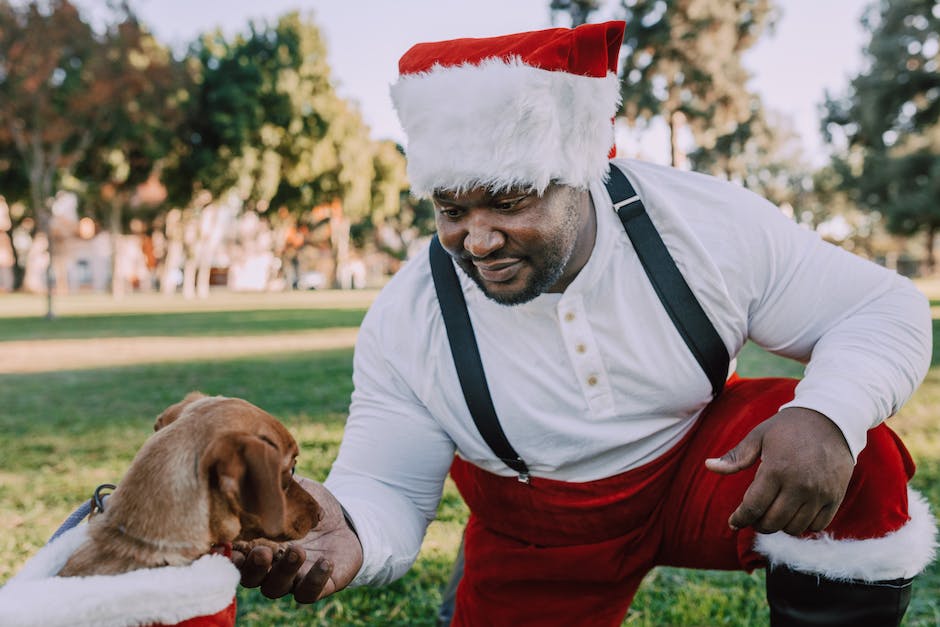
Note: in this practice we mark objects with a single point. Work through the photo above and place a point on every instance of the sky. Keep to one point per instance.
(817, 45)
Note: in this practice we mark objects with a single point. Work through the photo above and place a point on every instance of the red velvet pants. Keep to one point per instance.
(556, 553)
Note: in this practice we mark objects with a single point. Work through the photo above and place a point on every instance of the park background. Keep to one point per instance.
(221, 205)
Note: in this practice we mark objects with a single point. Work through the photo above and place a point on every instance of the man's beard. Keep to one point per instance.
(547, 269)
(542, 278)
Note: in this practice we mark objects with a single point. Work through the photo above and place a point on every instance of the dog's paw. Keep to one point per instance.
(244, 546)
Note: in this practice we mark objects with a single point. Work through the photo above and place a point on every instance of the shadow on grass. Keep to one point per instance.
(289, 385)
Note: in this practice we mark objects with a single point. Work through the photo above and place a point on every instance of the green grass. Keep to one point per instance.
(63, 433)
(172, 324)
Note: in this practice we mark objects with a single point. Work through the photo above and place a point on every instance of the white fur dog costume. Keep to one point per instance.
(199, 595)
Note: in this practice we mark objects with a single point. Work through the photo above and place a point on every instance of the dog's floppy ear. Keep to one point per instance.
(171, 413)
(247, 472)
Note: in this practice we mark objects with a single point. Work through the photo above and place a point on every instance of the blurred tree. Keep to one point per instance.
(14, 182)
(265, 122)
(764, 154)
(232, 141)
(139, 134)
(682, 62)
(390, 181)
(14, 190)
(838, 218)
(64, 93)
(322, 152)
(225, 111)
(736, 154)
(212, 158)
(578, 10)
(888, 124)
(767, 158)
(396, 220)
(52, 103)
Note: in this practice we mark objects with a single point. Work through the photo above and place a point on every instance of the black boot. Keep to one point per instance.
(802, 600)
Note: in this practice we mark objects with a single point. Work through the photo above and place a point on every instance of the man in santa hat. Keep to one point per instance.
(571, 333)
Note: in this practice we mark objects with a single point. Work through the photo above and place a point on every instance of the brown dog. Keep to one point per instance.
(217, 470)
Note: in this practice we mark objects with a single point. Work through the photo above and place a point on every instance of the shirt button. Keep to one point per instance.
(580, 348)
(592, 380)
(569, 316)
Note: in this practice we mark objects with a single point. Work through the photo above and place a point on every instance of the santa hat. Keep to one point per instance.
(519, 110)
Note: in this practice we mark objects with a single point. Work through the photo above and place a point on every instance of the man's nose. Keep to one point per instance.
(483, 238)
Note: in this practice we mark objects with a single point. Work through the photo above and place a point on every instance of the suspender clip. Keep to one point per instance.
(524, 478)
(629, 201)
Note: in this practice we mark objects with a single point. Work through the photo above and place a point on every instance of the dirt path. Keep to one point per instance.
(49, 355)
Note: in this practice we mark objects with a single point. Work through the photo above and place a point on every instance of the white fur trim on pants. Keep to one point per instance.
(36, 597)
(900, 554)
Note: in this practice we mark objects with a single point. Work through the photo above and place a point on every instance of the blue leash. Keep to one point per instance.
(86, 508)
(76, 517)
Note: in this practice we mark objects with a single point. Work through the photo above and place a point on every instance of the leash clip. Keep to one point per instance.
(98, 499)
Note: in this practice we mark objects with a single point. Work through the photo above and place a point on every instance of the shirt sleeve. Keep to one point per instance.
(392, 462)
(863, 331)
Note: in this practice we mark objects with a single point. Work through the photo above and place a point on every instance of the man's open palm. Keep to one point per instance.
(325, 561)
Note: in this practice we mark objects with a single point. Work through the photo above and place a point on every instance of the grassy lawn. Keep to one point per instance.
(64, 432)
(178, 324)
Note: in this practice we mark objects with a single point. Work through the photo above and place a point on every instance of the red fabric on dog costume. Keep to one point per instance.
(225, 618)
(556, 553)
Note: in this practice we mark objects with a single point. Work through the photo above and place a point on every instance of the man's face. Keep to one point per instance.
(516, 244)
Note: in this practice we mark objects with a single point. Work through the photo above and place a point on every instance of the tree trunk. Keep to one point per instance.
(117, 279)
(931, 261)
(189, 278)
(175, 248)
(43, 211)
(19, 266)
(677, 156)
(45, 223)
(339, 242)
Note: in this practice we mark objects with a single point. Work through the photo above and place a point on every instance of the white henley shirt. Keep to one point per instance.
(596, 380)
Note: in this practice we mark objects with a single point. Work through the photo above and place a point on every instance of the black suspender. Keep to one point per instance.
(466, 354)
(684, 310)
(680, 303)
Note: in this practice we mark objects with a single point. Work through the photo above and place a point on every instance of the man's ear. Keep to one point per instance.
(171, 413)
(246, 470)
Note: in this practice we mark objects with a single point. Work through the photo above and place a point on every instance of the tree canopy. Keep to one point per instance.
(889, 121)
(256, 113)
(265, 120)
(61, 85)
(682, 62)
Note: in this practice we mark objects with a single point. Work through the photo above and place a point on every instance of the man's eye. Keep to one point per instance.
(508, 204)
(449, 212)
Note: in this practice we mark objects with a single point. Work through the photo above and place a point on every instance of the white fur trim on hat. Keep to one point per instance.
(168, 595)
(897, 555)
(503, 124)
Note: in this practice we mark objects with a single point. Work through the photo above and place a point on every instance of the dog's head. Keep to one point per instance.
(248, 459)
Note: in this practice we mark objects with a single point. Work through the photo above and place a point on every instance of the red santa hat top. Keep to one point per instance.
(520, 110)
